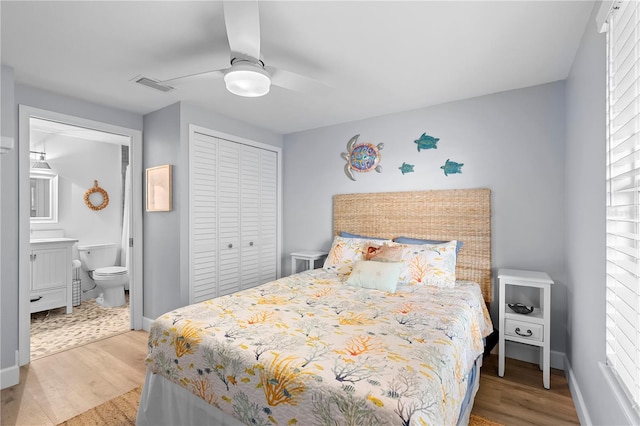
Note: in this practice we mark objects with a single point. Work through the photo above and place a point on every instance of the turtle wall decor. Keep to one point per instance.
(426, 142)
(361, 157)
(451, 167)
(406, 168)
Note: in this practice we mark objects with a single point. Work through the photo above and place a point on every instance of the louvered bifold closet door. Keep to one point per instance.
(268, 228)
(250, 216)
(204, 222)
(229, 217)
(234, 216)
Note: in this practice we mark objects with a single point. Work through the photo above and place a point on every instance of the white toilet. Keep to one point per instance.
(99, 260)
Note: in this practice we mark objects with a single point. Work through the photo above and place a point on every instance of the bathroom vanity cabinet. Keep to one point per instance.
(51, 279)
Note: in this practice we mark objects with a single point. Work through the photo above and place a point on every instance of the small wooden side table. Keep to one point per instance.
(309, 256)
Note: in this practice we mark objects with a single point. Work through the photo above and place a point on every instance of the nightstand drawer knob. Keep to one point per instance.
(529, 333)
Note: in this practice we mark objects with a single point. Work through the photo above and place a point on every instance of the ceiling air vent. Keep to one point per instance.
(154, 84)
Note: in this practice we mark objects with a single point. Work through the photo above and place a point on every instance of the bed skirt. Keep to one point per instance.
(163, 403)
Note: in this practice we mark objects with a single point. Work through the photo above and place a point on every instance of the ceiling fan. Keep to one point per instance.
(248, 75)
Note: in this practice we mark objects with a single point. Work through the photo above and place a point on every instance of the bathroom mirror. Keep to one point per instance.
(44, 197)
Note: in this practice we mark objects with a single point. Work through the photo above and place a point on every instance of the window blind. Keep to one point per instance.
(623, 197)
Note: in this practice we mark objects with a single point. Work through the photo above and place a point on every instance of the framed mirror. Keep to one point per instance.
(44, 197)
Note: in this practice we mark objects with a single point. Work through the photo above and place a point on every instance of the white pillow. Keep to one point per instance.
(381, 276)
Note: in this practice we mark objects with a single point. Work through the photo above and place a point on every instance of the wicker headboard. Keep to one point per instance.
(457, 214)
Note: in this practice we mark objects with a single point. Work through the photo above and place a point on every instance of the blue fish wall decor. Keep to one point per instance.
(406, 168)
(451, 167)
(427, 142)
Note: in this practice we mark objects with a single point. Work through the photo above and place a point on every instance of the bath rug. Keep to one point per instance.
(55, 331)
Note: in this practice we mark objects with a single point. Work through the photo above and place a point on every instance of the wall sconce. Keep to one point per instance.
(41, 163)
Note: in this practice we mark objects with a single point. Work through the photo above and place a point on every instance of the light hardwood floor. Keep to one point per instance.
(519, 398)
(60, 386)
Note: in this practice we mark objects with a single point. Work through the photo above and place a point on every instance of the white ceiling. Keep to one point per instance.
(379, 57)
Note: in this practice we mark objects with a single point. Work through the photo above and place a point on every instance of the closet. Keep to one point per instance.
(234, 240)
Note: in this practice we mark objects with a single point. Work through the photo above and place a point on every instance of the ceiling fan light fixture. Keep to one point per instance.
(247, 79)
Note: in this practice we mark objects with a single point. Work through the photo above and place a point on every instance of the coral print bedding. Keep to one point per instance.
(309, 349)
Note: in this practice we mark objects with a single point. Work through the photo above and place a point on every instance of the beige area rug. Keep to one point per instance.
(54, 331)
(475, 420)
(122, 411)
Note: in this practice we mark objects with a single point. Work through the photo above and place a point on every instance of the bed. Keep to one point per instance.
(323, 346)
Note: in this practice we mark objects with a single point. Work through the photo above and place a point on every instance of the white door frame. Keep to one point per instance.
(135, 264)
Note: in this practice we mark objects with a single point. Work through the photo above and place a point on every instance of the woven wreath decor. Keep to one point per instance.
(96, 188)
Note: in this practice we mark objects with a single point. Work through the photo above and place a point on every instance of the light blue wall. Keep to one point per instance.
(161, 258)
(585, 227)
(510, 142)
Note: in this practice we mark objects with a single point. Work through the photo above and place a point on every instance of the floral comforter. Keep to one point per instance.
(309, 349)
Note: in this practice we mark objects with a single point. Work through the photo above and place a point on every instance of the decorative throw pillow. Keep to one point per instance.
(409, 240)
(344, 253)
(381, 276)
(430, 264)
(384, 253)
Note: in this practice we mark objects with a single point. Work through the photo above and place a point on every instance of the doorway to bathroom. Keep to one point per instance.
(80, 184)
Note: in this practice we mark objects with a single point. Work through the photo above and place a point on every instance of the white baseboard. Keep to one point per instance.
(578, 400)
(10, 376)
(146, 324)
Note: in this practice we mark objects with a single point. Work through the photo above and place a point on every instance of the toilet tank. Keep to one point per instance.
(94, 256)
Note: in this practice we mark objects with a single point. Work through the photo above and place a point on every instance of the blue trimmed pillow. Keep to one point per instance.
(348, 235)
(408, 240)
(381, 276)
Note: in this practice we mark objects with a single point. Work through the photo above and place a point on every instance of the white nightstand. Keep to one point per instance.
(309, 256)
(531, 329)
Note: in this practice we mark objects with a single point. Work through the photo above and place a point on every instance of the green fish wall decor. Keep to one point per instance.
(406, 168)
(451, 167)
(427, 142)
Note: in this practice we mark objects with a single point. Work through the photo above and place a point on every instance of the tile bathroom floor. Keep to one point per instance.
(54, 331)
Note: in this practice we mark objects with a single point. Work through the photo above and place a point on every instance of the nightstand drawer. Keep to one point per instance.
(523, 330)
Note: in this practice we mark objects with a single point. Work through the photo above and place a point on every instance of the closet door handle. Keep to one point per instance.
(251, 243)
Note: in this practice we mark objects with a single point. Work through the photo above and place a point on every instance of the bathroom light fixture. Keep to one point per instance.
(247, 78)
(41, 163)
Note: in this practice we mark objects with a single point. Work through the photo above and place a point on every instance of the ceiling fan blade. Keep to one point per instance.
(243, 27)
(296, 82)
(183, 78)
